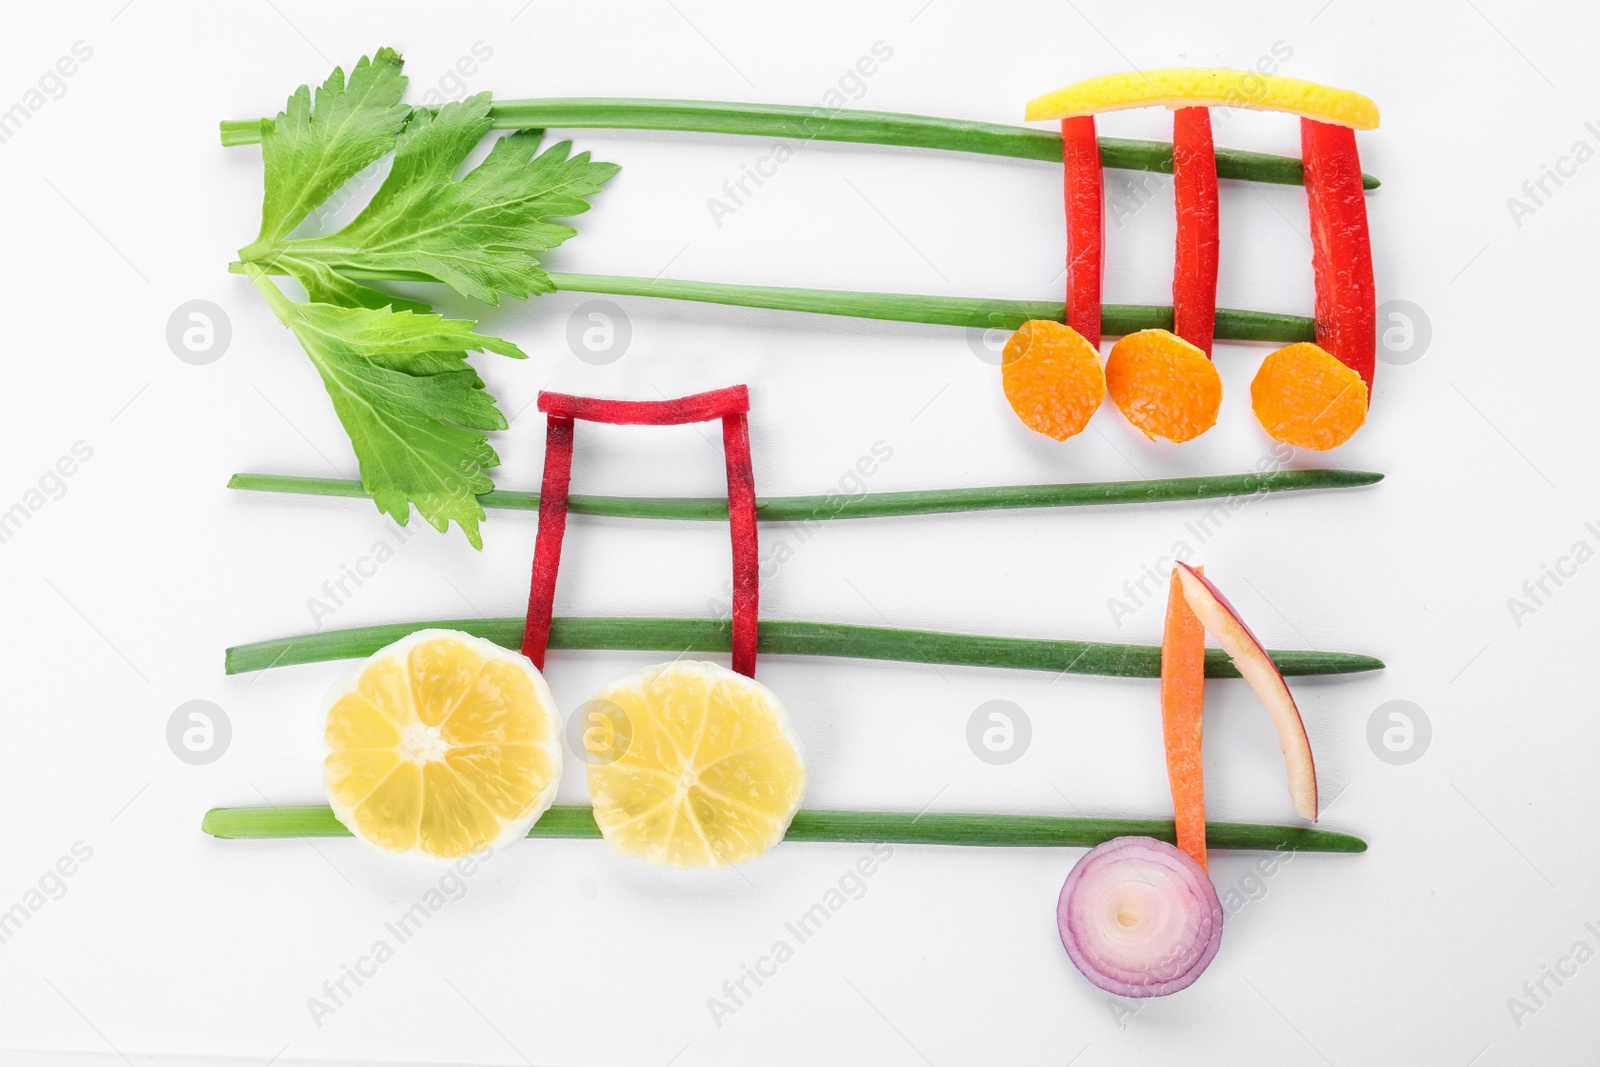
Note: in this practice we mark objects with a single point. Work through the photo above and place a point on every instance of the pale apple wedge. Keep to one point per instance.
(1222, 622)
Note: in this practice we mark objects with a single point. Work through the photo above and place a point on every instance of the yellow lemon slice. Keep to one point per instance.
(1207, 87)
(711, 772)
(441, 744)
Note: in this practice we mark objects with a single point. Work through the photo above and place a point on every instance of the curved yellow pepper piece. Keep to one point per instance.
(1208, 87)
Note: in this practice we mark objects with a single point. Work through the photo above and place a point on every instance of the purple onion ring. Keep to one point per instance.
(1139, 918)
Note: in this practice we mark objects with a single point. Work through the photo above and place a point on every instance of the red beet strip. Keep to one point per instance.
(730, 405)
(547, 546)
(1194, 179)
(742, 526)
(701, 407)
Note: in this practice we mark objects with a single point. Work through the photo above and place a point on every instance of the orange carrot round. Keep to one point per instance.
(1305, 397)
(1052, 378)
(1164, 385)
(1183, 696)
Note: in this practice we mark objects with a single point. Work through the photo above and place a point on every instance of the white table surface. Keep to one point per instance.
(124, 587)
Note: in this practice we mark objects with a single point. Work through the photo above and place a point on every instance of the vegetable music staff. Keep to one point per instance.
(482, 236)
(446, 740)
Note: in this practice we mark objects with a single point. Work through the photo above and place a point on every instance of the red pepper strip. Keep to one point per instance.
(1341, 248)
(701, 407)
(1084, 186)
(1194, 179)
(746, 557)
(547, 546)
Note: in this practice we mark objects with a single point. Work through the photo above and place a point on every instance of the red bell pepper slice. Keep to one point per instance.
(1341, 247)
(1194, 179)
(731, 406)
(1084, 187)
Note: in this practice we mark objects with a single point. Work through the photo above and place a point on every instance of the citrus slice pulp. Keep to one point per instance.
(711, 774)
(441, 744)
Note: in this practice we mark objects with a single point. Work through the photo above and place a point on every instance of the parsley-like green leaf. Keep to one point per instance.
(308, 152)
(324, 286)
(415, 410)
(479, 235)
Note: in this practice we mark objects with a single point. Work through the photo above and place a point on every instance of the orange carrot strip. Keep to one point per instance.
(1183, 695)
(1305, 397)
(1052, 378)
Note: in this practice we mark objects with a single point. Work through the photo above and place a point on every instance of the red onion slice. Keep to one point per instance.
(1139, 918)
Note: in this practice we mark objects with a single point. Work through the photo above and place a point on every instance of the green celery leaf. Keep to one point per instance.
(478, 235)
(308, 152)
(415, 410)
(324, 286)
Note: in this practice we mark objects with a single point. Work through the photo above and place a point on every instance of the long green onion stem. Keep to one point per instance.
(895, 827)
(971, 312)
(873, 505)
(847, 125)
(787, 638)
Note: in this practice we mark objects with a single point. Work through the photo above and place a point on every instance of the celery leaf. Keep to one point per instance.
(415, 410)
(309, 150)
(479, 235)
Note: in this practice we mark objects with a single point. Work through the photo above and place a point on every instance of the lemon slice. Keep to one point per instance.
(441, 744)
(1207, 87)
(711, 773)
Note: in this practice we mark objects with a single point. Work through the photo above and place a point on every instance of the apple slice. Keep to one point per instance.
(1223, 622)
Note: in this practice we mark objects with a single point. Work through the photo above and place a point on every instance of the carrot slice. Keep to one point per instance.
(1052, 378)
(1164, 385)
(1305, 397)
(1183, 695)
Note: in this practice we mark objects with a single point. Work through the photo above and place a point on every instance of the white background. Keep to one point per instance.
(121, 595)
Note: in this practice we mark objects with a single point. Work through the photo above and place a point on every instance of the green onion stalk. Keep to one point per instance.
(894, 827)
(850, 126)
(783, 637)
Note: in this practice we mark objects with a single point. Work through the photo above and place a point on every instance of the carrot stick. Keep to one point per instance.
(1183, 694)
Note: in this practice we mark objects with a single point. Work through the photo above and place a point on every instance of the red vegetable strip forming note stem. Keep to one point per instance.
(547, 545)
(1084, 186)
(1183, 694)
(731, 405)
(1194, 276)
(1341, 247)
(742, 527)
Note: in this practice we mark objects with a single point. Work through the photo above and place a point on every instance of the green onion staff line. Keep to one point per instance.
(981, 313)
(817, 508)
(850, 126)
(893, 827)
(786, 637)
